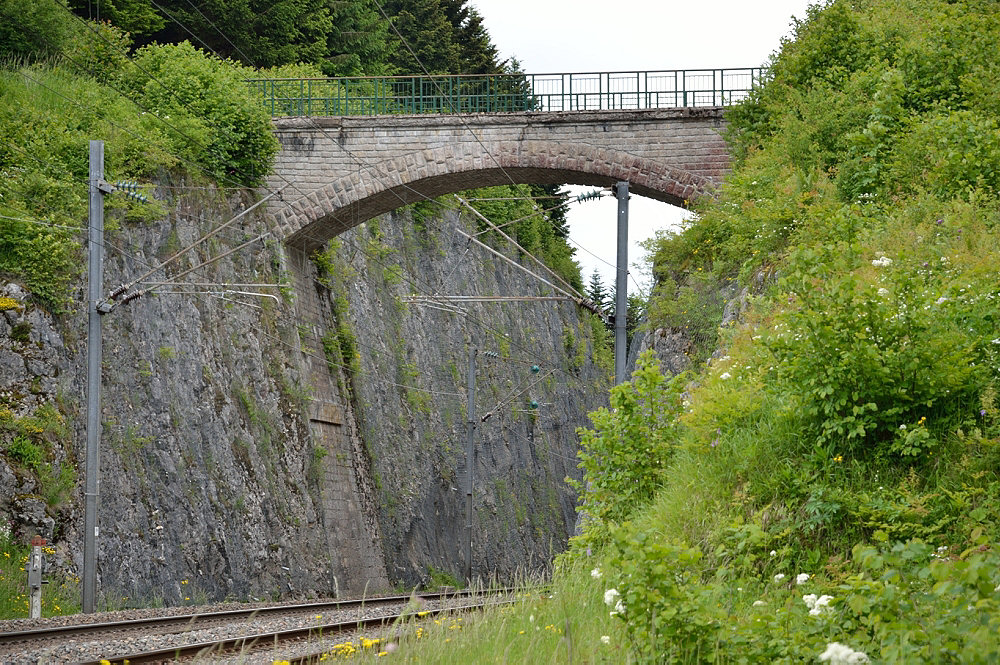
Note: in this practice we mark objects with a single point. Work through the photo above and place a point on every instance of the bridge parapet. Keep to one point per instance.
(597, 91)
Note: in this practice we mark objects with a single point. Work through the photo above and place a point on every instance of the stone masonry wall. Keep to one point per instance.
(348, 169)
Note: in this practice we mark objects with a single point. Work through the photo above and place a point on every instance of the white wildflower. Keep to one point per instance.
(817, 605)
(841, 654)
(619, 607)
(774, 553)
(940, 300)
(882, 262)
(611, 597)
(779, 577)
(596, 573)
(758, 603)
(725, 375)
(883, 292)
(802, 578)
(996, 341)
(605, 639)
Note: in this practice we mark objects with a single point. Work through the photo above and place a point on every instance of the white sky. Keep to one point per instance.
(559, 36)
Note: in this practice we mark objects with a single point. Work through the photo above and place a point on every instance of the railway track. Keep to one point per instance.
(305, 631)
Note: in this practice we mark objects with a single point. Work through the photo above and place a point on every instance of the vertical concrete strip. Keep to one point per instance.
(348, 507)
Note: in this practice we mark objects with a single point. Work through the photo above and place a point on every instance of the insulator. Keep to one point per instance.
(133, 296)
(117, 292)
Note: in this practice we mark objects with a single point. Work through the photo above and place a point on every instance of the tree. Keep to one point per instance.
(446, 36)
(138, 17)
(597, 292)
(358, 41)
(261, 33)
(30, 30)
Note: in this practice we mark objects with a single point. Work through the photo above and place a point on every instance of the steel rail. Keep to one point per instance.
(192, 620)
(271, 638)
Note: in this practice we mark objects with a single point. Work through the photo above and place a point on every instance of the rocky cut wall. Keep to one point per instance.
(410, 398)
(245, 455)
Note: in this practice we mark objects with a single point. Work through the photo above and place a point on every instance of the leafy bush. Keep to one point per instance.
(951, 154)
(31, 30)
(26, 453)
(669, 616)
(48, 116)
(218, 122)
(695, 308)
(866, 358)
(98, 50)
(624, 456)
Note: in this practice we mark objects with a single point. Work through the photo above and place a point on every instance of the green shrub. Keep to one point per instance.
(669, 616)
(31, 30)
(624, 456)
(221, 125)
(866, 358)
(47, 117)
(951, 154)
(26, 452)
(99, 51)
(695, 307)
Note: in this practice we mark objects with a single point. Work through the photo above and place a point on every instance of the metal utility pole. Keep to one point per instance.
(470, 462)
(621, 284)
(95, 310)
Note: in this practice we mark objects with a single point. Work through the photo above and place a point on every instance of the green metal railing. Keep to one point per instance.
(399, 95)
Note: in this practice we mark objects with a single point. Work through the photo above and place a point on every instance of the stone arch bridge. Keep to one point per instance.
(348, 169)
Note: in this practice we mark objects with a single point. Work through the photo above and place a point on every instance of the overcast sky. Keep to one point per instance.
(560, 36)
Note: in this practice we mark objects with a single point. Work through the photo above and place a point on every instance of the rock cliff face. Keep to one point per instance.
(306, 443)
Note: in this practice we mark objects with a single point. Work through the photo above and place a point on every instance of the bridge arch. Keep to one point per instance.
(362, 194)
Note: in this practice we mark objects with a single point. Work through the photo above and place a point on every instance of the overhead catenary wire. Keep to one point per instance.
(352, 155)
(522, 249)
(350, 242)
(219, 257)
(321, 129)
(361, 248)
(516, 265)
(517, 391)
(124, 287)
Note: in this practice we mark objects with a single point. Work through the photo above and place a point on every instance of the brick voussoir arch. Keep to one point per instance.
(360, 195)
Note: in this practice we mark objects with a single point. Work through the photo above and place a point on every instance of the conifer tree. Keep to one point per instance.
(597, 292)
